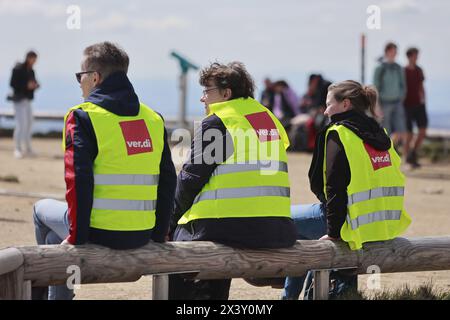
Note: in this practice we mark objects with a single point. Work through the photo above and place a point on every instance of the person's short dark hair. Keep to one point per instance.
(106, 58)
(281, 83)
(312, 77)
(231, 76)
(411, 51)
(389, 46)
(30, 54)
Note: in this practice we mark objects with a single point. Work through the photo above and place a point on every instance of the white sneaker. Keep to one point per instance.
(18, 154)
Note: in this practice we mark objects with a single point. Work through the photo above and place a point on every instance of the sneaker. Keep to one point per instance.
(18, 154)
(412, 159)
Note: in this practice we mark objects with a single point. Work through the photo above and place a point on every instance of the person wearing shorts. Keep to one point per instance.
(415, 109)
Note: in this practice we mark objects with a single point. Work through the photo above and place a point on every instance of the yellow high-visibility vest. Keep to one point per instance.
(126, 169)
(253, 181)
(375, 207)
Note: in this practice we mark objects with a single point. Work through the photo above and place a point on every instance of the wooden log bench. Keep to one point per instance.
(27, 266)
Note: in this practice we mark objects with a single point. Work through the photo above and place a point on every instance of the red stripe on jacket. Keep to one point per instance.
(69, 176)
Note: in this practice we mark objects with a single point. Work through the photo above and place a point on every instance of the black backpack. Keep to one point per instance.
(340, 285)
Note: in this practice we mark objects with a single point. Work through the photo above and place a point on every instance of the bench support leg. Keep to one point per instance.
(321, 284)
(160, 287)
(26, 290)
(13, 287)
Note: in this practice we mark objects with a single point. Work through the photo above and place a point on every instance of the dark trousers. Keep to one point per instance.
(186, 289)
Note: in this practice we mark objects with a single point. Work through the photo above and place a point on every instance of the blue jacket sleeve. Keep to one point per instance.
(166, 193)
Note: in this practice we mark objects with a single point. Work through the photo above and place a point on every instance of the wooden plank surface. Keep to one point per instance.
(10, 260)
(12, 285)
(48, 264)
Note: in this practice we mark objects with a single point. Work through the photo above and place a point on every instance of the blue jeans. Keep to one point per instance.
(311, 224)
(52, 227)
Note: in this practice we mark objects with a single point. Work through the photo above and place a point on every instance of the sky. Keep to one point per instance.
(280, 39)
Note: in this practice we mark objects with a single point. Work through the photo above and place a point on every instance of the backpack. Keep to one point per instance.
(340, 285)
(384, 67)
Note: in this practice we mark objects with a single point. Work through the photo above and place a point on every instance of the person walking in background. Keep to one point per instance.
(389, 79)
(414, 107)
(23, 82)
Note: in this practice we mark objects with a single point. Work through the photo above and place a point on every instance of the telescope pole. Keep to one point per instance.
(363, 58)
(183, 96)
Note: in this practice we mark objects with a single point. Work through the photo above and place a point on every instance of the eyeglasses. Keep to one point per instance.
(79, 74)
(205, 92)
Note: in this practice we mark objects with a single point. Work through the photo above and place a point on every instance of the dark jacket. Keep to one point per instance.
(337, 166)
(115, 94)
(261, 232)
(267, 98)
(20, 77)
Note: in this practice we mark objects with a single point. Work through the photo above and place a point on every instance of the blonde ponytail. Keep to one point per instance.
(362, 98)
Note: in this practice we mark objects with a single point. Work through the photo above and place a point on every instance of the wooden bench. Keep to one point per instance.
(23, 267)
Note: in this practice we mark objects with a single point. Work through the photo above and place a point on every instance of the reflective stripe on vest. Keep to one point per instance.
(245, 167)
(117, 204)
(234, 193)
(374, 217)
(375, 193)
(126, 179)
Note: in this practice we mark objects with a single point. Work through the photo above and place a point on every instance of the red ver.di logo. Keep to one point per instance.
(264, 126)
(379, 159)
(137, 138)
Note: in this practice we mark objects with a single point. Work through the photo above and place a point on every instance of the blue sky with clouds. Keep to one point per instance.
(282, 39)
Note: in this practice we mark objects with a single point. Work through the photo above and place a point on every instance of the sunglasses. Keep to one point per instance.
(79, 74)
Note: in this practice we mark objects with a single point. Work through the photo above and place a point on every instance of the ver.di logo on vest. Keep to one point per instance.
(379, 159)
(137, 137)
(139, 144)
(264, 126)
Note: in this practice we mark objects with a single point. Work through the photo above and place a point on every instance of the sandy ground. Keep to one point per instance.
(427, 201)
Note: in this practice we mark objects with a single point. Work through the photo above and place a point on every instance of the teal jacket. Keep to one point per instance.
(389, 79)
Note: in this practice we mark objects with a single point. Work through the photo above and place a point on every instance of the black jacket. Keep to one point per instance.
(115, 94)
(337, 166)
(261, 232)
(20, 77)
